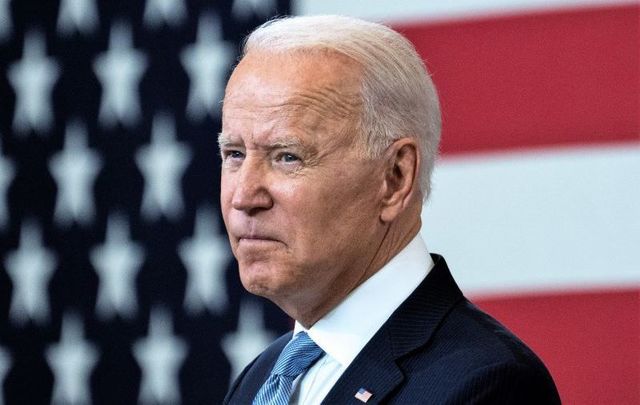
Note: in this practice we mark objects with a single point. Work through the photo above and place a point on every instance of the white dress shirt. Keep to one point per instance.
(344, 331)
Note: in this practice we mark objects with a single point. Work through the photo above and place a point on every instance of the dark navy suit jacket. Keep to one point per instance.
(436, 348)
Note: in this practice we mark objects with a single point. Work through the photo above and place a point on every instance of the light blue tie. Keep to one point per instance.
(296, 358)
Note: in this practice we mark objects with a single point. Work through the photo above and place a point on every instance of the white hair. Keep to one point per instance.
(399, 98)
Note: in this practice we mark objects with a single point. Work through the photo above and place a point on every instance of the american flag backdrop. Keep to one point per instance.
(536, 197)
(116, 280)
(117, 284)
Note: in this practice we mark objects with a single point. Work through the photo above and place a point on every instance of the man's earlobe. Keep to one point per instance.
(401, 184)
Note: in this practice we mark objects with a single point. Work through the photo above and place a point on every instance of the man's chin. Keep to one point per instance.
(261, 281)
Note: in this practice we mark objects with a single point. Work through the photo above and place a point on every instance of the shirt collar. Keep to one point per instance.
(343, 332)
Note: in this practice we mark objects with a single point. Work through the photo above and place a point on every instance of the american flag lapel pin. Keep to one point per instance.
(363, 395)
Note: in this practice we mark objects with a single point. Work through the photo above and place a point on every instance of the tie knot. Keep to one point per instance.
(297, 356)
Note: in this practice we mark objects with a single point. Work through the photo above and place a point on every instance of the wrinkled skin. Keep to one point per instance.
(309, 217)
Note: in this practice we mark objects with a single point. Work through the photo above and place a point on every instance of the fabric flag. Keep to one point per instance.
(363, 395)
(117, 284)
(536, 199)
(116, 280)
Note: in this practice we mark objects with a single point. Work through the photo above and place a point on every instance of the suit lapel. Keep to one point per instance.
(410, 327)
(374, 369)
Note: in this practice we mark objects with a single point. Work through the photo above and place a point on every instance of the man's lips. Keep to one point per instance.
(249, 232)
(256, 238)
(252, 243)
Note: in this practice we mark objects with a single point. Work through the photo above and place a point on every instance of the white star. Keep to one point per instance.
(74, 170)
(160, 356)
(30, 269)
(158, 12)
(120, 70)
(117, 263)
(77, 15)
(5, 23)
(33, 78)
(205, 257)
(249, 340)
(245, 9)
(5, 365)
(71, 359)
(7, 172)
(206, 62)
(162, 164)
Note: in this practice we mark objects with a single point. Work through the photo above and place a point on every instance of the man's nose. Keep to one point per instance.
(251, 193)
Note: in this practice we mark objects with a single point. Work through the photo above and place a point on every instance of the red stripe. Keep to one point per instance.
(537, 79)
(589, 341)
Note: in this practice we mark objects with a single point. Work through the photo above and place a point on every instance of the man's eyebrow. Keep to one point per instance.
(283, 143)
(224, 140)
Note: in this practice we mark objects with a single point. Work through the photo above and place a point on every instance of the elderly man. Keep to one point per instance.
(330, 132)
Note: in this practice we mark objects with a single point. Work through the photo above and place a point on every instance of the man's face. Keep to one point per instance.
(300, 203)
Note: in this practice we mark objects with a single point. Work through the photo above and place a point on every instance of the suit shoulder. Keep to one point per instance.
(472, 358)
(505, 383)
(492, 342)
(486, 358)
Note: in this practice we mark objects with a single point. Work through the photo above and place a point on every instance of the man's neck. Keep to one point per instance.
(396, 237)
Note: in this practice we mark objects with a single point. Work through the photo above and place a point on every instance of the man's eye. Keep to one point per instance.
(233, 154)
(288, 158)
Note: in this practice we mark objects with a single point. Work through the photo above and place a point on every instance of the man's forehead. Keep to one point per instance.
(315, 60)
(304, 109)
(298, 107)
(301, 97)
(286, 124)
(299, 77)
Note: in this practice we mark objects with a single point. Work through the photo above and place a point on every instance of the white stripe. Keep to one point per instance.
(539, 220)
(435, 10)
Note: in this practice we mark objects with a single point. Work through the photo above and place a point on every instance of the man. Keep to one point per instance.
(330, 132)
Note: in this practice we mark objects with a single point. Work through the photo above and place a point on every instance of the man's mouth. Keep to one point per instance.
(256, 238)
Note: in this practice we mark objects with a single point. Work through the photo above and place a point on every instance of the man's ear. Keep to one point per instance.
(402, 161)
